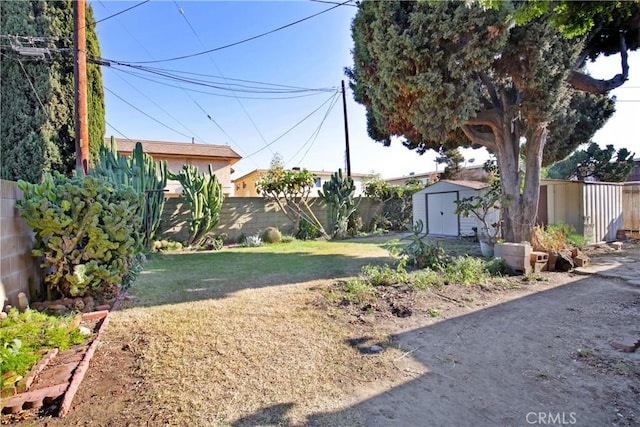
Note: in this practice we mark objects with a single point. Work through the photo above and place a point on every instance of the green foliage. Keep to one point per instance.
(476, 79)
(86, 231)
(252, 241)
(23, 337)
(271, 235)
(358, 291)
(203, 195)
(339, 195)
(484, 205)
(308, 231)
(290, 189)
(465, 270)
(396, 211)
(556, 237)
(142, 173)
(165, 245)
(595, 162)
(383, 275)
(37, 133)
(426, 278)
(451, 159)
(421, 254)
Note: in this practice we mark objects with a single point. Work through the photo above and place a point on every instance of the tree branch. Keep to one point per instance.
(489, 118)
(491, 88)
(480, 138)
(586, 83)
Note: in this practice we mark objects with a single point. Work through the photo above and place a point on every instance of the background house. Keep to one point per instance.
(245, 186)
(177, 154)
(597, 210)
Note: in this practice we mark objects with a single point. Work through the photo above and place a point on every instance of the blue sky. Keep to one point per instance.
(309, 55)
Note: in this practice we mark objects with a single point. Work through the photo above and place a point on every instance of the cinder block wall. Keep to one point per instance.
(19, 271)
(245, 215)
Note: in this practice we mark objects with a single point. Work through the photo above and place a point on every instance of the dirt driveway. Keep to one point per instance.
(538, 354)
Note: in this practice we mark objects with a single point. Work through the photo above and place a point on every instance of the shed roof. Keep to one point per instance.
(182, 149)
(476, 185)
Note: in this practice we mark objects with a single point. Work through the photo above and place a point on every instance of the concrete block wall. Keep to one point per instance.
(245, 215)
(19, 271)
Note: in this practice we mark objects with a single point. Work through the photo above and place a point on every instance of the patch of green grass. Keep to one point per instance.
(23, 337)
(174, 278)
(384, 275)
(433, 312)
(425, 278)
(584, 352)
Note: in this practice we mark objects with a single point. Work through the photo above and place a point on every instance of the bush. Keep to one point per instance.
(358, 291)
(252, 241)
(271, 235)
(556, 237)
(308, 231)
(383, 275)
(86, 231)
(465, 270)
(426, 278)
(496, 267)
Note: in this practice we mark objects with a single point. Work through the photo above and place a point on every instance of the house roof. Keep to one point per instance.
(316, 173)
(476, 185)
(182, 149)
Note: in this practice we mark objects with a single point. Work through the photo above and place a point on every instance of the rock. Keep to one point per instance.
(616, 246)
(84, 330)
(87, 300)
(57, 309)
(67, 301)
(564, 261)
(103, 307)
(3, 315)
(78, 304)
(626, 344)
(375, 349)
(23, 302)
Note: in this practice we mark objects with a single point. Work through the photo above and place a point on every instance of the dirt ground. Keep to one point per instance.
(535, 354)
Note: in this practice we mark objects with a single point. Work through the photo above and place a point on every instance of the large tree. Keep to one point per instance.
(600, 164)
(37, 94)
(437, 73)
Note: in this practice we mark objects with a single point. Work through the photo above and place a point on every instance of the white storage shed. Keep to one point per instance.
(435, 206)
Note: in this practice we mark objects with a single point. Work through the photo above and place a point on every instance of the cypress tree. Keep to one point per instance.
(37, 95)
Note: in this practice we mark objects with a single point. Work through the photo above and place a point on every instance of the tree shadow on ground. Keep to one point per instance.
(509, 363)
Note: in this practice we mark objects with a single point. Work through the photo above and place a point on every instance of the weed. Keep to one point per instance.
(433, 312)
(496, 267)
(426, 278)
(287, 238)
(24, 335)
(465, 270)
(384, 276)
(533, 277)
(584, 352)
(252, 241)
(358, 291)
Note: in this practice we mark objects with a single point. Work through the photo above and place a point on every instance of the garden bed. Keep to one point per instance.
(53, 381)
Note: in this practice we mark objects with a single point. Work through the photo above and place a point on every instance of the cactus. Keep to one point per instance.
(203, 195)
(339, 195)
(140, 171)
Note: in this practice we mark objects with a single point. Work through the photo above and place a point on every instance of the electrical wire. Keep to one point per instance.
(315, 133)
(294, 126)
(121, 12)
(117, 131)
(142, 112)
(255, 126)
(44, 110)
(163, 110)
(333, 2)
(241, 41)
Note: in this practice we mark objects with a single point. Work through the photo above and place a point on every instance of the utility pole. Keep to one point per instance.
(346, 129)
(80, 75)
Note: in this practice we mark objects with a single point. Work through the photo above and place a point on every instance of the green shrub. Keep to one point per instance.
(308, 231)
(465, 270)
(86, 231)
(358, 291)
(496, 267)
(271, 235)
(419, 253)
(24, 335)
(287, 238)
(383, 275)
(426, 278)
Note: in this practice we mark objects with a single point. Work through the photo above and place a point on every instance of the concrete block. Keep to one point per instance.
(518, 265)
(539, 257)
(513, 249)
(581, 261)
(539, 267)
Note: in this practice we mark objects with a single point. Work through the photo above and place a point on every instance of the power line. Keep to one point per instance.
(294, 126)
(44, 110)
(220, 71)
(242, 41)
(333, 2)
(121, 12)
(142, 112)
(117, 131)
(163, 110)
(315, 133)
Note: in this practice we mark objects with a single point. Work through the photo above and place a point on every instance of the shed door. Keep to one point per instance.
(441, 218)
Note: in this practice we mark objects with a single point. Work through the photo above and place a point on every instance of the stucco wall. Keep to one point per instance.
(19, 271)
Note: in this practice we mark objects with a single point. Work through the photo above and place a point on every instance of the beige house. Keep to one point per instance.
(245, 186)
(177, 154)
